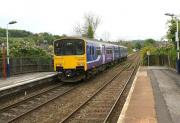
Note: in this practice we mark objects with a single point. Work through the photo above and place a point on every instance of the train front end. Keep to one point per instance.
(70, 59)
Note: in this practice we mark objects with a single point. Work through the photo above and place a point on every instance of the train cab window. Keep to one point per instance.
(79, 47)
(69, 47)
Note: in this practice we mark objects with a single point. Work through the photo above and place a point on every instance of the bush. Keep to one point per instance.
(147, 48)
(158, 52)
(26, 49)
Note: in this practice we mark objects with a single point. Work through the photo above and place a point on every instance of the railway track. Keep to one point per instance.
(112, 113)
(14, 111)
(100, 106)
(19, 109)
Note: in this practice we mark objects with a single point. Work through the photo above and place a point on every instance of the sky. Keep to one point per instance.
(120, 19)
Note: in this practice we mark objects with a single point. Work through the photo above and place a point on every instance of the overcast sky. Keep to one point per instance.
(121, 19)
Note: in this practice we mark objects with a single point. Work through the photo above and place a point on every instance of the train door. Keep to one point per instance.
(103, 53)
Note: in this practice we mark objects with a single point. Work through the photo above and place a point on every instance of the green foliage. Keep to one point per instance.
(15, 33)
(2, 32)
(26, 44)
(89, 27)
(137, 45)
(26, 49)
(90, 32)
(168, 51)
(43, 38)
(147, 48)
(171, 30)
(149, 42)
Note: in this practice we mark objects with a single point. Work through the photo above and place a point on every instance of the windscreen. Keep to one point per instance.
(69, 47)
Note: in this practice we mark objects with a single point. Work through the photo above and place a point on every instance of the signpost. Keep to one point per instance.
(148, 54)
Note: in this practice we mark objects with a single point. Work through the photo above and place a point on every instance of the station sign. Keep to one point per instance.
(148, 53)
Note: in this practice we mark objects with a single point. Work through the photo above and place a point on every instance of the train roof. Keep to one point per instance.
(91, 40)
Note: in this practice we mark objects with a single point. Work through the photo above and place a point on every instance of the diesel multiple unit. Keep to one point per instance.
(78, 58)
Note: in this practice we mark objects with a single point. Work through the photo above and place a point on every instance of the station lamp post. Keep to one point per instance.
(177, 40)
(7, 47)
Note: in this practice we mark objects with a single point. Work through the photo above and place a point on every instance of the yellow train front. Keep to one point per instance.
(70, 59)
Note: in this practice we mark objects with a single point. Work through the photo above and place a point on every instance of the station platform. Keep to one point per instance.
(24, 79)
(153, 98)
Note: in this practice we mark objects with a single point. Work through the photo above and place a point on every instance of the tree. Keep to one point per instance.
(149, 42)
(137, 45)
(15, 33)
(172, 30)
(23, 48)
(90, 25)
(90, 33)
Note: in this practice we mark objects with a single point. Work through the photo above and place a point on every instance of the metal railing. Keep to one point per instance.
(28, 65)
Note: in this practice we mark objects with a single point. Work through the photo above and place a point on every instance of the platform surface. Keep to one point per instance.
(139, 107)
(154, 97)
(23, 79)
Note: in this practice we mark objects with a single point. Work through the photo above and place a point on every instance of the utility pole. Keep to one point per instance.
(177, 40)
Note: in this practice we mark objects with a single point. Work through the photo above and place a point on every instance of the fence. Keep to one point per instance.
(28, 65)
(160, 60)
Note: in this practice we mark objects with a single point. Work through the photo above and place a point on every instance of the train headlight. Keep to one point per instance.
(59, 65)
(80, 64)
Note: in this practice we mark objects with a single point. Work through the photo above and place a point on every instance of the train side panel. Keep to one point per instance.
(93, 55)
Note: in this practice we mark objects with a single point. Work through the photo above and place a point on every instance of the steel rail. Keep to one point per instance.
(120, 94)
(35, 108)
(99, 90)
(40, 105)
(46, 91)
(30, 97)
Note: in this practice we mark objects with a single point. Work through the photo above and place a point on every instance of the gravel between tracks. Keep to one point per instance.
(105, 99)
(14, 98)
(61, 107)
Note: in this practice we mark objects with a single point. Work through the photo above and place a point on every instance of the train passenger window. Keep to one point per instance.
(92, 50)
(116, 50)
(109, 50)
(98, 51)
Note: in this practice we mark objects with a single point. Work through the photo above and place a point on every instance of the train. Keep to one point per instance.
(77, 58)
